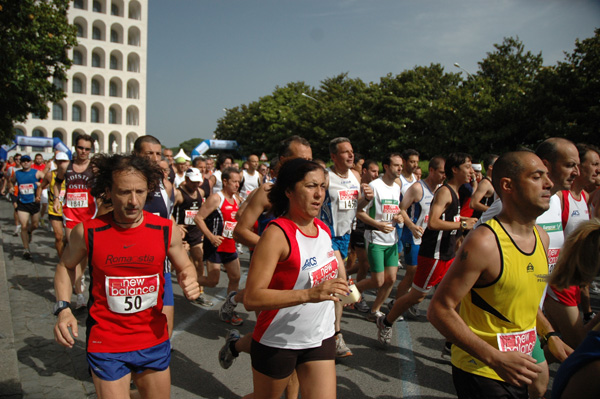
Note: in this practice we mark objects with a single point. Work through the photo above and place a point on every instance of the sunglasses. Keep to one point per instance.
(84, 148)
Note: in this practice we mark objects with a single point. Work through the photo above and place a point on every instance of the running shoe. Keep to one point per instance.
(227, 313)
(80, 301)
(587, 317)
(26, 254)
(203, 301)
(384, 334)
(373, 316)
(17, 231)
(361, 305)
(341, 349)
(413, 312)
(226, 357)
(447, 353)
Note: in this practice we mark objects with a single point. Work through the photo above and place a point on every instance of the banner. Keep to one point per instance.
(214, 145)
(53, 142)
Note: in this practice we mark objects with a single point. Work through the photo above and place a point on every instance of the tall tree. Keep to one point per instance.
(34, 37)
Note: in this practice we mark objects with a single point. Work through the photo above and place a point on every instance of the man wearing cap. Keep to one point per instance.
(55, 218)
(188, 200)
(28, 205)
(180, 168)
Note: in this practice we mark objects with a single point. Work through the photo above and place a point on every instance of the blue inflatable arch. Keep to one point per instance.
(53, 142)
(215, 145)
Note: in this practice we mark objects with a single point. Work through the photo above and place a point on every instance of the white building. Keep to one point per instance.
(106, 87)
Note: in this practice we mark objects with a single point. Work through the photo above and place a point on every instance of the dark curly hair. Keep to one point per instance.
(290, 173)
(104, 167)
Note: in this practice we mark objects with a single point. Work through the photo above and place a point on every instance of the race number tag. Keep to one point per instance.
(523, 341)
(327, 272)
(26, 189)
(61, 196)
(131, 294)
(190, 214)
(389, 208)
(456, 219)
(228, 229)
(77, 200)
(552, 258)
(425, 221)
(348, 199)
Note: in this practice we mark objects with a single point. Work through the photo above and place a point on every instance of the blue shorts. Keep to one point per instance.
(168, 299)
(411, 252)
(114, 366)
(341, 244)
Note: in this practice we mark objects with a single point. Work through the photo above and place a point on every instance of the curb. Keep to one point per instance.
(10, 381)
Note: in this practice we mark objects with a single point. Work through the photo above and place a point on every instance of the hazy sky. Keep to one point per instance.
(207, 55)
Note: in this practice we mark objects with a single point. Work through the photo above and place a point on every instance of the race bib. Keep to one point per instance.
(389, 210)
(27, 188)
(456, 219)
(327, 272)
(552, 258)
(348, 199)
(425, 221)
(77, 200)
(132, 294)
(190, 214)
(61, 196)
(228, 229)
(523, 341)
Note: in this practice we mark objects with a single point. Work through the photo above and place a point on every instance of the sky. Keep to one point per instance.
(208, 55)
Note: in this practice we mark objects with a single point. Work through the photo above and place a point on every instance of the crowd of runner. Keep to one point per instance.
(488, 235)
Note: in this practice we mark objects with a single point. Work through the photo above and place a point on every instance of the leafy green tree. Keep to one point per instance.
(34, 38)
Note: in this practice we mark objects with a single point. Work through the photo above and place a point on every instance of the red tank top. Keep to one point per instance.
(126, 269)
(79, 204)
(228, 211)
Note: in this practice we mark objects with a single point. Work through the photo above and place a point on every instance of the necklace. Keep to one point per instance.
(334, 170)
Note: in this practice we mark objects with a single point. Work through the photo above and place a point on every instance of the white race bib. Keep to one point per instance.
(77, 200)
(522, 341)
(348, 199)
(327, 272)
(132, 294)
(228, 229)
(389, 211)
(26, 188)
(190, 214)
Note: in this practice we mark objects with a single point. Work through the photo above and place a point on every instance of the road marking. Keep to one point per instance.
(408, 375)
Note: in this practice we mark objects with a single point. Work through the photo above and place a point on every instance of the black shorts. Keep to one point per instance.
(357, 239)
(54, 217)
(13, 198)
(31, 208)
(193, 236)
(219, 257)
(471, 386)
(280, 363)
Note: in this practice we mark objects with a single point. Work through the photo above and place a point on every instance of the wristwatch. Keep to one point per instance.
(463, 224)
(59, 306)
(544, 339)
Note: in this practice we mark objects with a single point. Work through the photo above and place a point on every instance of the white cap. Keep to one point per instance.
(193, 174)
(476, 167)
(61, 156)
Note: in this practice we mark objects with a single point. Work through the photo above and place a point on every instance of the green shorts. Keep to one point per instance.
(381, 256)
(538, 353)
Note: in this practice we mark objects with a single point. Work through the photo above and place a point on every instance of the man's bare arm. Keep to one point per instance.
(253, 207)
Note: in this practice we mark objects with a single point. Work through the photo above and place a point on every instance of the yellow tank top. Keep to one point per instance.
(51, 195)
(504, 312)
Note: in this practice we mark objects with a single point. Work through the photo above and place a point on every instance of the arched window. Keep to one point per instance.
(113, 90)
(37, 133)
(97, 6)
(57, 112)
(58, 83)
(96, 87)
(77, 57)
(79, 30)
(96, 60)
(78, 4)
(135, 10)
(58, 134)
(132, 116)
(112, 116)
(95, 114)
(77, 85)
(133, 89)
(96, 33)
(114, 62)
(76, 113)
(114, 9)
(114, 36)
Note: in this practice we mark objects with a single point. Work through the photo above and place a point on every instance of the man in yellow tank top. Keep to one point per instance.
(499, 278)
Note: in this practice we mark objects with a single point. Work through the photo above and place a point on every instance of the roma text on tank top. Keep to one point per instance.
(340, 205)
(79, 203)
(441, 244)
(504, 312)
(126, 269)
(311, 261)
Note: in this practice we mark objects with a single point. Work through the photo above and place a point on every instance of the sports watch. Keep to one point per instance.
(59, 306)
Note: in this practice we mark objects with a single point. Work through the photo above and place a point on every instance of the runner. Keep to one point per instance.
(484, 196)
(250, 177)
(293, 280)
(499, 279)
(127, 334)
(438, 244)
(224, 161)
(28, 203)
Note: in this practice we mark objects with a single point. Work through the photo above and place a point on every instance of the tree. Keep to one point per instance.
(34, 37)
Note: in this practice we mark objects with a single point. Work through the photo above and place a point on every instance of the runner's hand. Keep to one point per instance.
(417, 231)
(516, 368)
(470, 222)
(189, 285)
(558, 348)
(216, 241)
(57, 206)
(367, 191)
(61, 328)
(327, 289)
(385, 227)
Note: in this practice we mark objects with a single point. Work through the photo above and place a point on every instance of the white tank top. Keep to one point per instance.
(251, 183)
(551, 222)
(341, 201)
(384, 205)
(406, 184)
(574, 212)
(218, 182)
(421, 208)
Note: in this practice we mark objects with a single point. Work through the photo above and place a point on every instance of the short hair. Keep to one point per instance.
(454, 160)
(39, 155)
(549, 149)
(284, 145)
(576, 264)
(105, 166)
(222, 158)
(334, 143)
(197, 160)
(84, 137)
(508, 165)
(436, 162)
(226, 175)
(488, 160)
(137, 145)
(290, 173)
(387, 160)
(583, 149)
(409, 153)
(368, 163)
